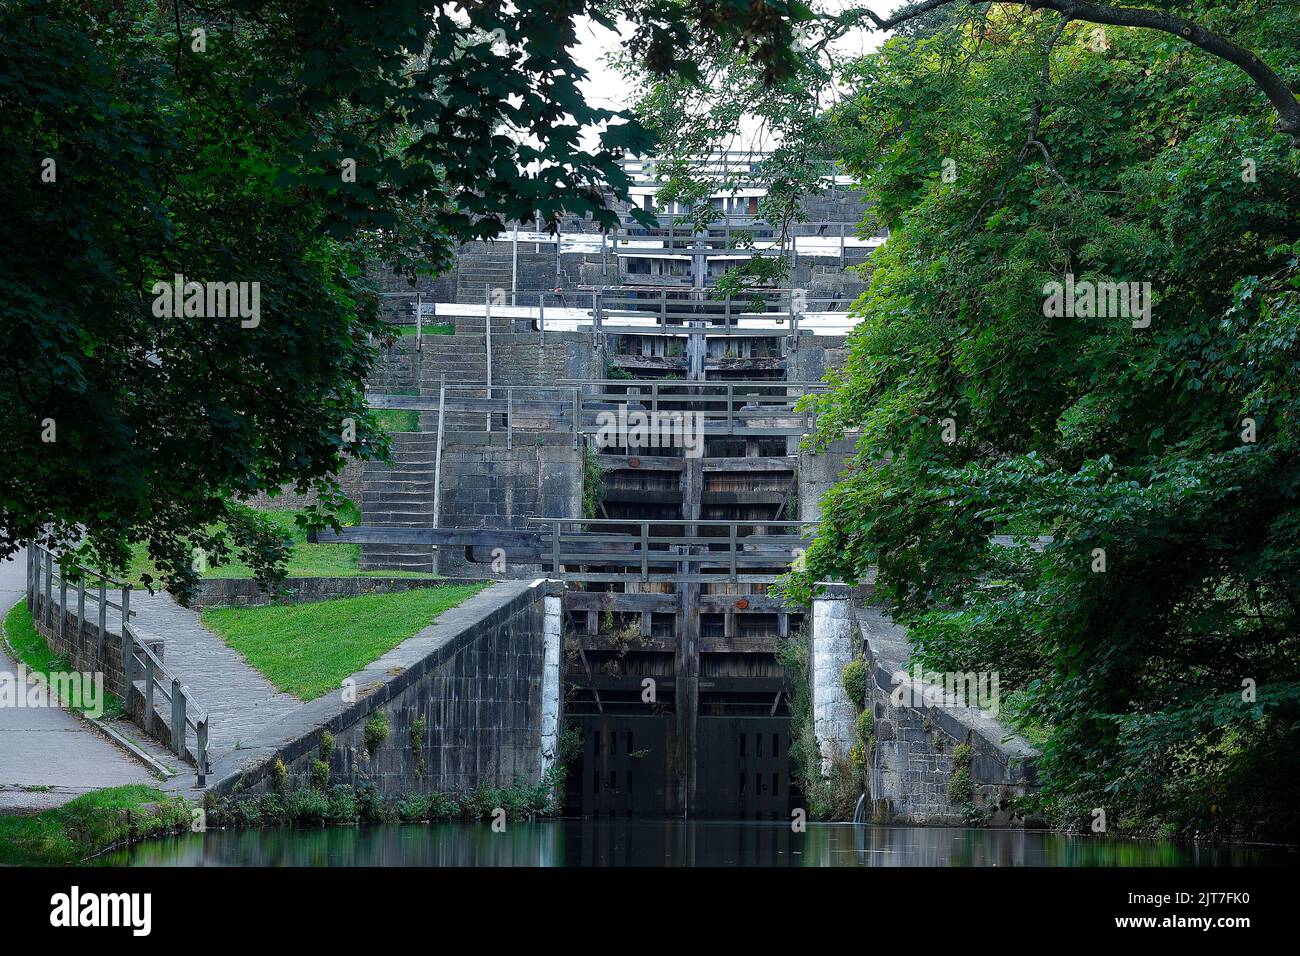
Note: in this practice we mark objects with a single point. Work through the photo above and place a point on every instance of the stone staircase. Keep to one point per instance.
(463, 360)
(400, 495)
(479, 269)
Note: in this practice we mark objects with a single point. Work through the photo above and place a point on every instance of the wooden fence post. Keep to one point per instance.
(128, 648)
(645, 551)
(103, 622)
(178, 718)
(148, 695)
(49, 589)
(81, 610)
(201, 750)
(63, 606)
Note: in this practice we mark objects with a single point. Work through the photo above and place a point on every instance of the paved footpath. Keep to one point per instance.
(240, 702)
(48, 756)
(50, 748)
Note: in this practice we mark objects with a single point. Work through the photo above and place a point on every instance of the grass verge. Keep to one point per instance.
(30, 648)
(307, 649)
(305, 560)
(408, 331)
(88, 825)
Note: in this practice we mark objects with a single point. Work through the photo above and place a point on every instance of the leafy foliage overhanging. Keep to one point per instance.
(1168, 672)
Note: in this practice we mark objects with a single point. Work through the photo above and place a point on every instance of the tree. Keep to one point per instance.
(1152, 439)
(271, 150)
(1250, 62)
(699, 114)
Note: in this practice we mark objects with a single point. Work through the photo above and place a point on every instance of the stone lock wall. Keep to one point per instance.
(518, 359)
(937, 758)
(918, 730)
(287, 499)
(83, 648)
(913, 765)
(833, 643)
(471, 701)
(912, 773)
(494, 487)
(244, 592)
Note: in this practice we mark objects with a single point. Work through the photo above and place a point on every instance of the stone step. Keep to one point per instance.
(404, 475)
(423, 472)
(400, 563)
(460, 339)
(405, 471)
(385, 520)
(399, 507)
(410, 444)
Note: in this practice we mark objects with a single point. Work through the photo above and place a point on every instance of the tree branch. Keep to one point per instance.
(1278, 93)
(1036, 117)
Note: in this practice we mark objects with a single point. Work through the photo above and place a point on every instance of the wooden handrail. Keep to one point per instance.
(136, 651)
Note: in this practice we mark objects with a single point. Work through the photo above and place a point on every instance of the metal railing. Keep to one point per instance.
(548, 408)
(625, 310)
(742, 235)
(730, 165)
(692, 552)
(576, 406)
(652, 310)
(138, 658)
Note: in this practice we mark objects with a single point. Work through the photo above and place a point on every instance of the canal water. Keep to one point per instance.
(653, 843)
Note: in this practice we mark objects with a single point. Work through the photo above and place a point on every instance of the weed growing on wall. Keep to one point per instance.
(376, 731)
(593, 484)
(828, 798)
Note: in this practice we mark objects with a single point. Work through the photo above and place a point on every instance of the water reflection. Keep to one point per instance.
(672, 843)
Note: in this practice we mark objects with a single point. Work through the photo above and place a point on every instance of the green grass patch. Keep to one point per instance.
(30, 647)
(305, 560)
(394, 420)
(307, 649)
(89, 824)
(440, 328)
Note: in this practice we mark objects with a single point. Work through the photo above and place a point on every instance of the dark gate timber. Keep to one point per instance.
(747, 773)
(626, 768)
